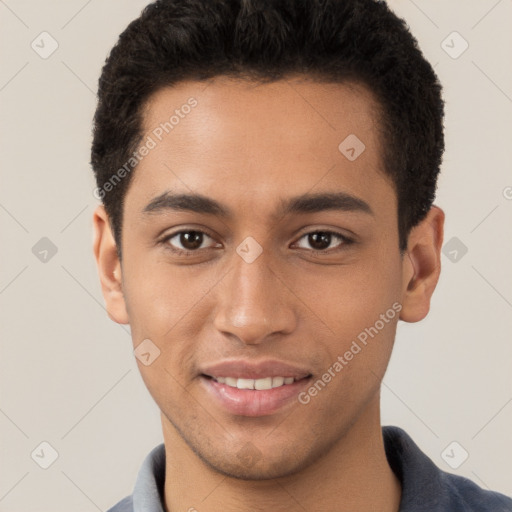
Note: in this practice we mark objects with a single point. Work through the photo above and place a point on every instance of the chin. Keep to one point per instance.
(248, 463)
(260, 471)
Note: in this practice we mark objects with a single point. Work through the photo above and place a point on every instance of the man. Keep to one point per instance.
(267, 172)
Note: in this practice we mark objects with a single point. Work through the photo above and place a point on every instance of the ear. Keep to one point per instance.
(422, 265)
(109, 267)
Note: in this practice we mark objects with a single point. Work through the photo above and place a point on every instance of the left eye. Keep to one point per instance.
(321, 240)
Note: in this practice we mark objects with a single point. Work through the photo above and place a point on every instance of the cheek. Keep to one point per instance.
(160, 296)
(165, 304)
(361, 307)
(355, 297)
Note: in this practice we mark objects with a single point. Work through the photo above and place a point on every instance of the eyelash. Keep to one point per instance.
(183, 252)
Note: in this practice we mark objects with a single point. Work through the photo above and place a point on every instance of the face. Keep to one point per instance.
(257, 253)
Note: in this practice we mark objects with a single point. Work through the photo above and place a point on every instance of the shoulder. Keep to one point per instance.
(464, 494)
(125, 505)
(427, 488)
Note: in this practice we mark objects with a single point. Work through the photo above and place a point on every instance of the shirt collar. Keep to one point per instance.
(149, 487)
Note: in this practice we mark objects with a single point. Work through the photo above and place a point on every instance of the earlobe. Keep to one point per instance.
(109, 267)
(422, 265)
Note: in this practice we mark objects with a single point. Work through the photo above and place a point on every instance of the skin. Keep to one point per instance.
(249, 147)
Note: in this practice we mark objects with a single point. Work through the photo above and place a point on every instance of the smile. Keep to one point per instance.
(258, 384)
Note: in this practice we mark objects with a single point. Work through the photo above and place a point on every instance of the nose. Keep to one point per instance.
(253, 303)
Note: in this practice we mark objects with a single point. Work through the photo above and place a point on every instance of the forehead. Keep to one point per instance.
(234, 138)
(295, 110)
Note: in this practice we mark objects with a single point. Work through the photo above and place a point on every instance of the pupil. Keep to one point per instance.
(191, 240)
(320, 240)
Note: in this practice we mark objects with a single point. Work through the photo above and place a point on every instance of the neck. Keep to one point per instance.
(354, 475)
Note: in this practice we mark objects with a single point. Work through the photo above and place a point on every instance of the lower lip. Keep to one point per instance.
(250, 402)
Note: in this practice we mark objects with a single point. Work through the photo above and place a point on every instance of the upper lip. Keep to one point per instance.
(244, 369)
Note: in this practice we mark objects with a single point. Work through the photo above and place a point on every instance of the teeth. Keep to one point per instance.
(230, 381)
(245, 384)
(258, 384)
(277, 381)
(265, 383)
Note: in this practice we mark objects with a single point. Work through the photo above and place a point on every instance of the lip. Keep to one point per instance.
(249, 402)
(243, 369)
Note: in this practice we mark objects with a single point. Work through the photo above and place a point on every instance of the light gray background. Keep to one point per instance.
(67, 373)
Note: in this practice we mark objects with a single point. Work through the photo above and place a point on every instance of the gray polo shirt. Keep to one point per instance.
(425, 488)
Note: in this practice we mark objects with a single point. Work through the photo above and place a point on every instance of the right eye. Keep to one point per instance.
(191, 241)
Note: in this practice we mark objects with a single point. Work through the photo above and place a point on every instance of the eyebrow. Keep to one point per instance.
(306, 203)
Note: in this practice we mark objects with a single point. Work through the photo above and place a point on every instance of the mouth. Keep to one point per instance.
(244, 389)
(261, 384)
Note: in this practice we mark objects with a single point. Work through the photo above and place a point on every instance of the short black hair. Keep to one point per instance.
(334, 41)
